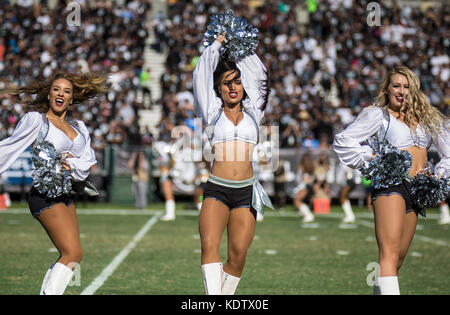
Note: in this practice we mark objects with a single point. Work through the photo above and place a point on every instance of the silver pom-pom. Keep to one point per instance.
(49, 178)
(427, 189)
(389, 167)
(241, 36)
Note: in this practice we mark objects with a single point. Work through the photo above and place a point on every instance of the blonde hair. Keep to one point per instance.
(85, 86)
(416, 108)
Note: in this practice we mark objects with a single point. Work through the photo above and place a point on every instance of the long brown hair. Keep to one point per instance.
(85, 86)
(226, 64)
(416, 108)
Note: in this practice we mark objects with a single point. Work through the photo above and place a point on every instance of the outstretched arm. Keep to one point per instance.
(24, 135)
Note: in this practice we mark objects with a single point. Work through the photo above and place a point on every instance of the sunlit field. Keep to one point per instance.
(131, 252)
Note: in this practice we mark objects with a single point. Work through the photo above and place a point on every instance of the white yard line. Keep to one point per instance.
(109, 270)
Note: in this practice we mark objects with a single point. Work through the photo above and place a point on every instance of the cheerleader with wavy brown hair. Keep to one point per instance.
(46, 121)
(401, 115)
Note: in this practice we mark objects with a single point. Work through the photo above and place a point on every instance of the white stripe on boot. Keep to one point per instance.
(45, 281)
(389, 285)
(170, 211)
(212, 278)
(59, 279)
(229, 283)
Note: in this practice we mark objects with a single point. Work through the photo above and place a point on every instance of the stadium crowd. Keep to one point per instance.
(324, 60)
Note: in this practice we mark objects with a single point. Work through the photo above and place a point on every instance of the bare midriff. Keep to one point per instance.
(233, 160)
(419, 159)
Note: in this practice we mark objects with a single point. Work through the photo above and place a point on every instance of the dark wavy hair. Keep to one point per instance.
(224, 65)
(85, 86)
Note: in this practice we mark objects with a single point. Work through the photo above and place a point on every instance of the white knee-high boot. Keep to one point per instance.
(389, 285)
(45, 281)
(212, 278)
(229, 283)
(59, 278)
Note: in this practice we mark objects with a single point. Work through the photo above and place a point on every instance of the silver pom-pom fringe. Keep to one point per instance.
(241, 36)
(49, 177)
(428, 190)
(389, 167)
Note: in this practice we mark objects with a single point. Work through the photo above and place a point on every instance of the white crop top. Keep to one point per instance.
(27, 131)
(224, 130)
(401, 136)
(351, 152)
(209, 106)
(63, 143)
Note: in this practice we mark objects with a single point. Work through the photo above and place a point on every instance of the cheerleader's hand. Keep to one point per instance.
(221, 38)
(64, 164)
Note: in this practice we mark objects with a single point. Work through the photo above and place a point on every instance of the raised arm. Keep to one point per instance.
(347, 144)
(253, 76)
(206, 100)
(24, 135)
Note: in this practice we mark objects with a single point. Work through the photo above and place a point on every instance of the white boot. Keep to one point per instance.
(444, 215)
(170, 211)
(229, 283)
(45, 281)
(306, 213)
(212, 278)
(389, 285)
(60, 277)
(349, 215)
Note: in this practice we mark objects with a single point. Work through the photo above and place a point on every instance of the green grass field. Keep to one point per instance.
(286, 256)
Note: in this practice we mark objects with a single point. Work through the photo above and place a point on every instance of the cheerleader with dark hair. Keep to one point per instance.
(66, 143)
(231, 98)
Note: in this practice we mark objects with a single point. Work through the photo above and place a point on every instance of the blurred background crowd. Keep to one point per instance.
(325, 62)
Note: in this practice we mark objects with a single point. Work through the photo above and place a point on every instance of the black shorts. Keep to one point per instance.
(231, 197)
(404, 190)
(38, 202)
